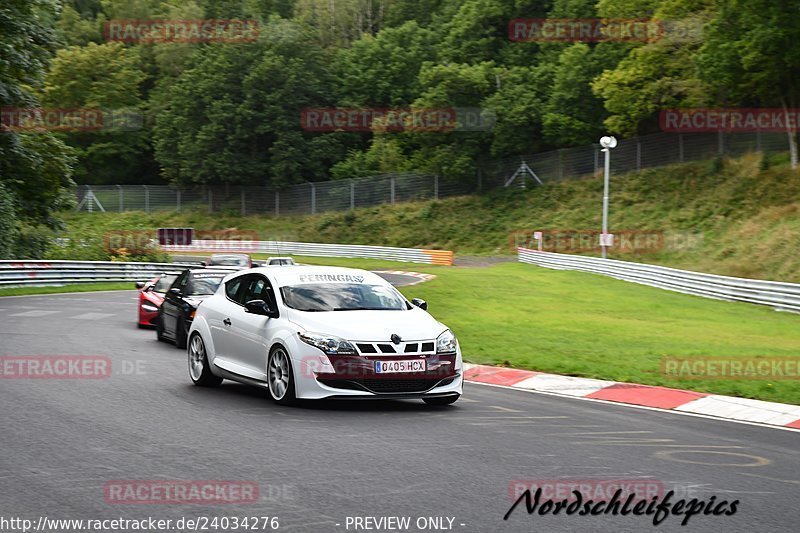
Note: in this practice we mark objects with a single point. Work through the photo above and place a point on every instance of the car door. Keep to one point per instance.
(218, 317)
(171, 307)
(252, 334)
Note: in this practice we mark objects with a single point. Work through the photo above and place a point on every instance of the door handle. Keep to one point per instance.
(227, 321)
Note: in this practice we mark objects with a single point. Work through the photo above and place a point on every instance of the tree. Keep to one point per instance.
(751, 56)
(233, 116)
(382, 71)
(656, 75)
(35, 168)
(107, 77)
(573, 115)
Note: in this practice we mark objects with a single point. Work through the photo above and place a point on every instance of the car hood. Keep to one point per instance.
(153, 297)
(374, 326)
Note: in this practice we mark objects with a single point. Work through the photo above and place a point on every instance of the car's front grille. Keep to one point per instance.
(398, 385)
(409, 347)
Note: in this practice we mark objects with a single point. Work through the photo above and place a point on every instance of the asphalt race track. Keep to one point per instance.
(316, 464)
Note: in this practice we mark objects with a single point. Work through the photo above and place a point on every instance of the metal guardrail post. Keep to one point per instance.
(779, 295)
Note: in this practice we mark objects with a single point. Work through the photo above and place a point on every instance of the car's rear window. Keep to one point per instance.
(163, 284)
(204, 284)
(228, 260)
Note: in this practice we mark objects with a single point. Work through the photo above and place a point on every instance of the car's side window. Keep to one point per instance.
(258, 288)
(180, 283)
(232, 288)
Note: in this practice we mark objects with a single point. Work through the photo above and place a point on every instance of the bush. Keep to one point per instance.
(32, 241)
(8, 224)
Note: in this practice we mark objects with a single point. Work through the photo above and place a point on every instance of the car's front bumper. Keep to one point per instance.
(354, 377)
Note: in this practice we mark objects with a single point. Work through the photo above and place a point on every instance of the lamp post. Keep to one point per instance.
(607, 143)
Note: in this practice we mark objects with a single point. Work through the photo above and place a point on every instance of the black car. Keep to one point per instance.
(180, 303)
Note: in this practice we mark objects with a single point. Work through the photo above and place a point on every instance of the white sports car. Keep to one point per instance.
(323, 332)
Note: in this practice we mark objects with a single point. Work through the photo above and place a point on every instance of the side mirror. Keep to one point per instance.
(419, 302)
(260, 307)
(140, 285)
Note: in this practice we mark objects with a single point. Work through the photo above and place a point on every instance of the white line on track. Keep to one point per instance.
(92, 316)
(35, 313)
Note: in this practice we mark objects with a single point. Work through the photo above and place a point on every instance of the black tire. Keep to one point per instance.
(279, 372)
(160, 330)
(180, 334)
(442, 400)
(199, 370)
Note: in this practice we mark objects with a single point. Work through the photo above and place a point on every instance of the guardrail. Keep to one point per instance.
(779, 295)
(44, 273)
(409, 255)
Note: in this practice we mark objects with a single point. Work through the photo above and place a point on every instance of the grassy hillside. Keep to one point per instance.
(737, 217)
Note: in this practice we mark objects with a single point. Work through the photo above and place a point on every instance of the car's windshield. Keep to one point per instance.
(342, 297)
(228, 260)
(163, 283)
(204, 284)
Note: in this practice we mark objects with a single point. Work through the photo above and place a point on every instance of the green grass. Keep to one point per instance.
(78, 287)
(592, 326)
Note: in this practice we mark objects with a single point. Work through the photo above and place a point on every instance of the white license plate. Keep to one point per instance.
(403, 365)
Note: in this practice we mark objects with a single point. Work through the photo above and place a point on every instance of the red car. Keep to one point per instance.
(151, 295)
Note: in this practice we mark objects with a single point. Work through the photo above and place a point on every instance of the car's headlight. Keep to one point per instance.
(446, 343)
(149, 307)
(329, 344)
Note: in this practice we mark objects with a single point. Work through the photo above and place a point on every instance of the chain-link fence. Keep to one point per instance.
(305, 198)
(339, 195)
(630, 155)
